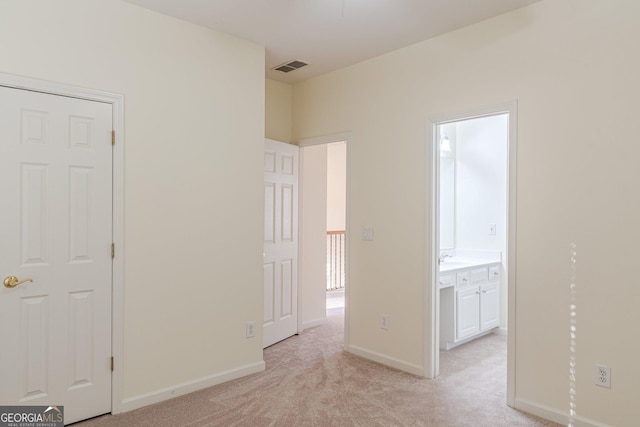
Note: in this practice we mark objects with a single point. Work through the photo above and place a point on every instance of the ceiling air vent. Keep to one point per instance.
(287, 67)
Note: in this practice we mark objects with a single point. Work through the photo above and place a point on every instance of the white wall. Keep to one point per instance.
(336, 186)
(194, 132)
(481, 184)
(313, 234)
(447, 186)
(571, 64)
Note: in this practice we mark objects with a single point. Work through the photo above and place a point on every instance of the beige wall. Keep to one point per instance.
(278, 119)
(336, 186)
(194, 132)
(572, 66)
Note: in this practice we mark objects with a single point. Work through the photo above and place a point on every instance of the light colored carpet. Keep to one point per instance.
(335, 299)
(311, 381)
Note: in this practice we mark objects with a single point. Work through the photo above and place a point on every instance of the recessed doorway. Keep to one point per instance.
(473, 229)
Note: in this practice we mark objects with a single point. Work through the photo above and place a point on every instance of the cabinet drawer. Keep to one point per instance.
(446, 279)
(479, 275)
(494, 273)
(462, 278)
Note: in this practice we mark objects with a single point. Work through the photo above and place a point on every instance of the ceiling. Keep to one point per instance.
(330, 34)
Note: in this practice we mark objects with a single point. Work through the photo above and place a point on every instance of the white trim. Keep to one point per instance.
(190, 386)
(347, 241)
(386, 360)
(314, 323)
(117, 103)
(432, 323)
(512, 149)
(552, 414)
(300, 237)
(329, 139)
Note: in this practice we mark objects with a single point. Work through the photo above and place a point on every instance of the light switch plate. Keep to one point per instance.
(492, 229)
(367, 233)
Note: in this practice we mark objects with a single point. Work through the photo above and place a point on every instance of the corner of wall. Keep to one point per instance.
(278, 111)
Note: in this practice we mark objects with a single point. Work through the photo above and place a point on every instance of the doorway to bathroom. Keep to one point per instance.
(473, 229)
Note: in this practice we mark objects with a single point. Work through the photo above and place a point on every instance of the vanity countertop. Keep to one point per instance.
(456, 263)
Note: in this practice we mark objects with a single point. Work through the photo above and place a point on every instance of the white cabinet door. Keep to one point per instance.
(56, 228)
(280, 241)
(467, 312)
(489, 306)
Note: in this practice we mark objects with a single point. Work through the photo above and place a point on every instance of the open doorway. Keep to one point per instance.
(323, 229)
(474, 233)
(336, 224)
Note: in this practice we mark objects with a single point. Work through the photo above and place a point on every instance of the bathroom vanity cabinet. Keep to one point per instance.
(469, 301)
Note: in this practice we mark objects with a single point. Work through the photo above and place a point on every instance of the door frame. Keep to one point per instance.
(432, 291)
(117, 266)
(319, 140)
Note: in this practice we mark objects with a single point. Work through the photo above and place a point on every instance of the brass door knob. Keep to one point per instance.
(13, 281)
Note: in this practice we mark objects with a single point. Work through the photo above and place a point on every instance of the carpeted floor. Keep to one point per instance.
(311, 381)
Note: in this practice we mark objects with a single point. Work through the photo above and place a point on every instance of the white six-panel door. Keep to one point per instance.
(280, 241)
(55, 229)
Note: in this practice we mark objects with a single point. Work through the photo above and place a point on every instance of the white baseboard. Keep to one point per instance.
(386, 360)
(553, 414)
(189, 387)
(312, 323)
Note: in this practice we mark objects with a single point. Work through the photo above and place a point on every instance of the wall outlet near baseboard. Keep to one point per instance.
(603, 376)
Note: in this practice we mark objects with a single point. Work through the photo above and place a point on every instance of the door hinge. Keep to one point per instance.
(113, 363)
(113, 250)
(113, 137)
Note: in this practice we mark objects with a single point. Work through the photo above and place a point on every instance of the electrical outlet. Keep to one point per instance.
(384, 321)
(251, 329)
(603, 376)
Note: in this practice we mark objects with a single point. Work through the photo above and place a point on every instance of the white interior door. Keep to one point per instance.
(55, 229)
(280, 241)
